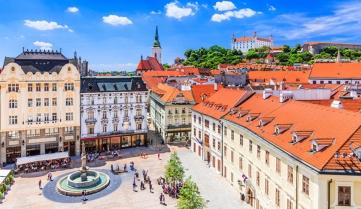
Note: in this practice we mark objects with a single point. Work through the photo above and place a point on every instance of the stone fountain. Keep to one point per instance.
(84, 179)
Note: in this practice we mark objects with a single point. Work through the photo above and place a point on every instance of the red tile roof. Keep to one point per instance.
(169, 94)
(187, 70)
(165, 73)
(300, 117)
(221, 102)
(330, 43)
(336, 71)
(278, 76)
(202, 92)
(149, 64)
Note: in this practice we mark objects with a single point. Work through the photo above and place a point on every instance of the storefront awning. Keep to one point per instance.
(38, 158)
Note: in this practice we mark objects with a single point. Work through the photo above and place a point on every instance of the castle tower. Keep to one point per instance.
(157, 49)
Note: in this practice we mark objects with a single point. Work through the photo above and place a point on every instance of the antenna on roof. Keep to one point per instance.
(23, 49)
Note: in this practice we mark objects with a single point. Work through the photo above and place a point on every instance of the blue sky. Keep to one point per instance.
(113, 34)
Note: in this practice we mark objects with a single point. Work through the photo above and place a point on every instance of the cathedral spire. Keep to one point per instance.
(156, 38)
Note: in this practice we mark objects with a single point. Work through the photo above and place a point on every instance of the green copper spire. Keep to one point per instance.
(156, 38)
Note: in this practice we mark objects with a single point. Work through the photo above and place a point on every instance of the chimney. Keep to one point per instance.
(285, 95)
(215, 86)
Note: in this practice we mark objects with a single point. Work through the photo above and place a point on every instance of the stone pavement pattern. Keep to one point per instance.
(25, 193)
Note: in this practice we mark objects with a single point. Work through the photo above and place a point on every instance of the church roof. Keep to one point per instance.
(149, 64)
(156, 39)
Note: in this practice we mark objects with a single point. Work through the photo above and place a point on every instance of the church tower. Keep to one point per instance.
(157, 49)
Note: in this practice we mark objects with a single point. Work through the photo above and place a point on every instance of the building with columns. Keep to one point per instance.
(113, 112)
(39, 106)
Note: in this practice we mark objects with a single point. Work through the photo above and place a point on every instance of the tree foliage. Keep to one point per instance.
(174, 171)
(189, 196)
(211, 57)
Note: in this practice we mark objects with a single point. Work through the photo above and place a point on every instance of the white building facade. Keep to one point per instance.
(113, 112)
(40, 102)
(252, 42)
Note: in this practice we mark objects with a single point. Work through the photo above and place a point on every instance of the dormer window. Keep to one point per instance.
(264, 121)
(233, 111)
(298, 136)
(252, 116)
(242, 113)
(320, 144)
(281, 128)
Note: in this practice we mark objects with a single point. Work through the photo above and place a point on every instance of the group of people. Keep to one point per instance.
(116, 169)
(44, 165)
(171, 189)
(143, 182)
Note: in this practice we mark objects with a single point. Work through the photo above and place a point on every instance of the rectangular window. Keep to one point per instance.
(258, 151)
(344, 196)
(13, 104)
(249, 171)
(214, 126)
(38, 87)
(250, 146)
(46, 102)
(199, 120)
(53, 102)
(46, 117)
(46, 87)
(267, 157)
(219, 129)
(225, 151)
(219, 146)
(30, 87)
(258, 178)
(54, 117)
(13, 87)
(69, 116)
(289, 204)
(69, 102)
(206, 140)
(13, 120)
(240, 163)
(38, 102)
(194, 118)
(206, 123)
(195, 132)
(232, 135)
(241, 139)
(225, 131)
(305, 185)
(54, 87)
(69, 130)
(278, 165)
(290, 174)
(266, 186)
(214, 143)
(232, 156)
(278, 198)
(69, 87)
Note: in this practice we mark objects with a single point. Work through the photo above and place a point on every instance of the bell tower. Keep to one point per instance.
(157, 49)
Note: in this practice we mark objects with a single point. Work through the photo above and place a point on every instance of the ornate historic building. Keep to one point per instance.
(113, 112)
(251, 42)
(39, 111)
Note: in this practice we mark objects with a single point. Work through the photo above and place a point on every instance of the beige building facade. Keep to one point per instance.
(40, 101)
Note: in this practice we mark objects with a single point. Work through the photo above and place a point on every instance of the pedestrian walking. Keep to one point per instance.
(40, 184)
(161, 198)
(150, 187)
(158, 156)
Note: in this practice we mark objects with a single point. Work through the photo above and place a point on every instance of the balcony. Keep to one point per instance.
(139, 117)
(180, 126)
(90, 121)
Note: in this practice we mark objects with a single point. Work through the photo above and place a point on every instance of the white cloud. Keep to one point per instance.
(43, 45)
(158, 12)
(224, 6)
(271, 8)
(45, 25)
(72, 9)
(117, 20)
(173, 10)
(239, 14)
(344, 21)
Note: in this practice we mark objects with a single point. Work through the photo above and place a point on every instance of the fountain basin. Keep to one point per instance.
(73, 185)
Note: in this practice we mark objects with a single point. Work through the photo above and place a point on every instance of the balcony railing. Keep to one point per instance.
(90, 120)
(180, 126)
(139, 117)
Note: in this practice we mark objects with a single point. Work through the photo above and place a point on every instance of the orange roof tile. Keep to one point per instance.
(221, 102)
(336, 71)
(322, 122)
(202, 92)
(165, 73)
(169, 94)
(278, 76)
(149, 64)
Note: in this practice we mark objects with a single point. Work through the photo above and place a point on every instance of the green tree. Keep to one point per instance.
(174, 171)
(189, 196)
(286, 49)
(166, 66)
